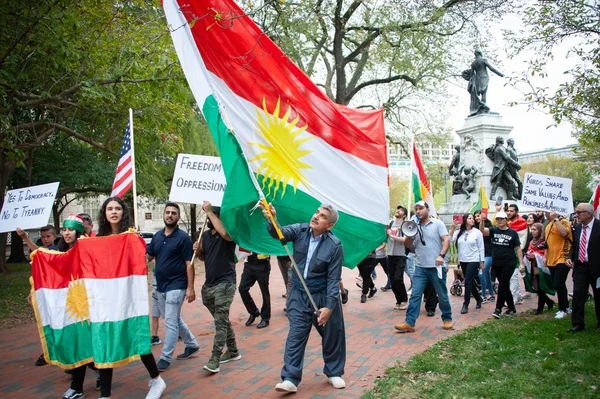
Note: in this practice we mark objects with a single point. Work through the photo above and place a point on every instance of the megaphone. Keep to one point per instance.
(409, 228)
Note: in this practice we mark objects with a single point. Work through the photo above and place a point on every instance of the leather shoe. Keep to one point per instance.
(251, 319)
(263, 323)
(464, 310)
(576, 329)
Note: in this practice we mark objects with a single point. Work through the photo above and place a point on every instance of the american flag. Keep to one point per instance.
(124, 177)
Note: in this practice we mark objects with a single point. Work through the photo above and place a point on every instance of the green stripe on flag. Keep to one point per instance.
(74, 343)
(416, 187)
(359, 236)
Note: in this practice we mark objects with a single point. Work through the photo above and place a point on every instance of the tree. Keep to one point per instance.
(392, 54)
(579, 172)
(577, 100)
(73, 68)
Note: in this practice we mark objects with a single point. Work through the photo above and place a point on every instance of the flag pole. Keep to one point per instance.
(410, 176)
(135, 204)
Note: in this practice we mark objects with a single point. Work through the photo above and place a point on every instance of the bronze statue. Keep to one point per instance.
(453, 170)
(478, 83)
(501, 174)
(510, 149)
(468, 185)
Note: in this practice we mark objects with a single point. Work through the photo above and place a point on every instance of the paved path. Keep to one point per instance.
(372, 345)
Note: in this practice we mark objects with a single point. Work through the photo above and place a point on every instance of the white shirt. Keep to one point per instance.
(470, 245)
(588, 233)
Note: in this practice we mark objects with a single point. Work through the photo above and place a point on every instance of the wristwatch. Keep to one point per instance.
(442, 255)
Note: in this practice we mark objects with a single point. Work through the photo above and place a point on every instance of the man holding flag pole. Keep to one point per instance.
(317, 260)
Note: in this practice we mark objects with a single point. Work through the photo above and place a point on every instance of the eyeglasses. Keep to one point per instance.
(579, 212)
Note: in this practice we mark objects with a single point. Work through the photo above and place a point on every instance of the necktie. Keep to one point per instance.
(583, 244)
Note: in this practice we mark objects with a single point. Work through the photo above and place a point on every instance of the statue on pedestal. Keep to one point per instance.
(502, 174)
(514, 172)
(478, 79)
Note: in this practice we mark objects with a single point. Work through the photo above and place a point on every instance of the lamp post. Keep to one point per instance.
(445, 175)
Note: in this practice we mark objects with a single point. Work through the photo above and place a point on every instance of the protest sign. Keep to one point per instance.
(549, 193)
(28, 207)
(198, 178)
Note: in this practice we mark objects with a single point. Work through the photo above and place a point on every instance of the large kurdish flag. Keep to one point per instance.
(276, 131)
(420, 185)
(91, 302)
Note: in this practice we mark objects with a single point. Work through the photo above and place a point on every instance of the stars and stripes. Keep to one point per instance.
(124, 176)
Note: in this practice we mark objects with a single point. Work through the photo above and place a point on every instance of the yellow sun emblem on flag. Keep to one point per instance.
(280, 162)
(77, 301)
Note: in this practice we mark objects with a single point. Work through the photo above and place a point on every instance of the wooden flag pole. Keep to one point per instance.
(199, 240)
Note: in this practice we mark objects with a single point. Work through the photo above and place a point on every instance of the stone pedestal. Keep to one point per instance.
(477, 134)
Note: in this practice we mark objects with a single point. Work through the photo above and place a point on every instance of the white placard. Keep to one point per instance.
(28, 207)
(198, 178)
(549, 193)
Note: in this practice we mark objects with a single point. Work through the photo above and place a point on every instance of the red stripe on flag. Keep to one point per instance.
(127, 175)
(234, 48)
(121, 193)
(123, 163)
(115, 256)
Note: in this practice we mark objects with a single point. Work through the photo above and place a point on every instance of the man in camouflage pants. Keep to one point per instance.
(218, 252)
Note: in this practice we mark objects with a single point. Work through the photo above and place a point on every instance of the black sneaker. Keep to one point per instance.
(363, 298)
(372, 292)
(72, 394)
(430, 313)
(97, 380)
(163, 365)
(496, 313)
(344, 296)
(187, 353)
(510, 312)
(155, 340)
(41, 361)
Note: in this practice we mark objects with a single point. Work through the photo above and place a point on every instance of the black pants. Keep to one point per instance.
(256, 272)
(365, 267)
(107, 374)
(559, 275)
(470, 270)
(431, 299)
(582, 279)
(504, 273)
(396, 265)
(543, 299)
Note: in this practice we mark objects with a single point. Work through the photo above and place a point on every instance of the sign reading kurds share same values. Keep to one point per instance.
(198, 178)
(28, 207)
(278, 134)
(550, 193)
(91, 305)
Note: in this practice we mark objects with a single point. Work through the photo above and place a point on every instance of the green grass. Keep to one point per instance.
(14, 289)
(521, 357)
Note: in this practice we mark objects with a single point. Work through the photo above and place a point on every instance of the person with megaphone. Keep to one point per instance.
(430, 240)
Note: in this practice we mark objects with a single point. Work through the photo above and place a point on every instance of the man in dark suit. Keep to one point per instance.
(585, 261)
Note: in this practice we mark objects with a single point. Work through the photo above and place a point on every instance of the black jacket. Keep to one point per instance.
(593, 248)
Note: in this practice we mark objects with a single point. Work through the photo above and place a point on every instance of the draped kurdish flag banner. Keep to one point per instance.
(482, 201)
(269, 119)
(420, 184)
(91, 303)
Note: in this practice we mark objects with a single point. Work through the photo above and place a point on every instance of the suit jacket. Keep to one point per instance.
(593, 248)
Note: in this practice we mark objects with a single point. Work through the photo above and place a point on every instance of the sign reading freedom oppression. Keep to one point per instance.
(549, 193)
(28, 207)
(198, 178)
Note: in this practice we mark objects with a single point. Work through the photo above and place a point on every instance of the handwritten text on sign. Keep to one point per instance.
(28, 207)
(549, 193)
(198, 178)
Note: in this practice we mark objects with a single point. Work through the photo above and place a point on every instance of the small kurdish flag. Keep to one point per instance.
(420, 184)
(91, 304)
(482, 201)
(276, 131)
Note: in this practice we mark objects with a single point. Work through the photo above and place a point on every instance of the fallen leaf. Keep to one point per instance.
(552, 353)
(537, 352)
(593, 387)
(491, 370)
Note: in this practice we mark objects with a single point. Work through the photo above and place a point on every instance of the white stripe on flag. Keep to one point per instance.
(130, 292)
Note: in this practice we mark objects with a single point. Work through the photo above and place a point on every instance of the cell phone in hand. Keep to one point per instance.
(458, 219)
(484, 212)
(499, 200)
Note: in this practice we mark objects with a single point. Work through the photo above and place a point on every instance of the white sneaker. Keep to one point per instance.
(286, 386)
(560, 315)
(337, 382)
(157, 387)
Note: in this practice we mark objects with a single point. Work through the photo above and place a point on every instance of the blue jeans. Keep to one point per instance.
(410, 265)
(420, 278)
(486, 277)
(170, 304)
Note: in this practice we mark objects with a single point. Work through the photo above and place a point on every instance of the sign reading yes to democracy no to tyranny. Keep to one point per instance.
(28, 207)
(198, 178)
(549, 193)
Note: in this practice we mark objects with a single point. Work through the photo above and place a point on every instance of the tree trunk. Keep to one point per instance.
(7, 167)
(17, 253)
(193, 221)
